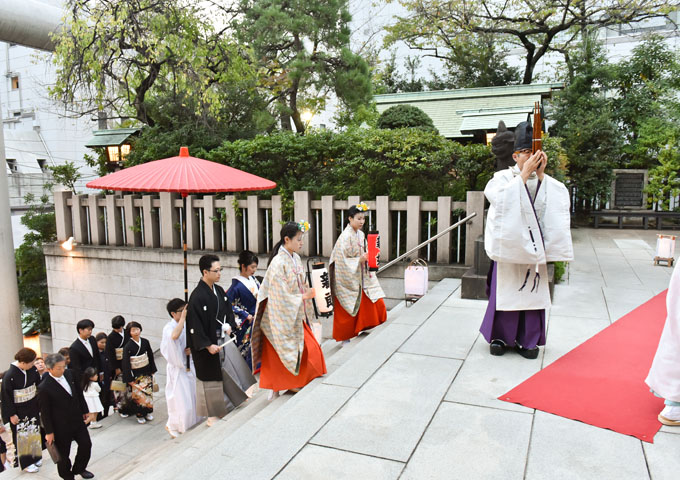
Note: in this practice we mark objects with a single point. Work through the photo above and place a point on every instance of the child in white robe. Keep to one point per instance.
(180, 389)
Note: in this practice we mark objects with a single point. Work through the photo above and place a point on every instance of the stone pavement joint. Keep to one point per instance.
(417, 398)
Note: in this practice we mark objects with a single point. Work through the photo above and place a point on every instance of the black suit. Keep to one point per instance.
(81, 358)
(203, 312)
(62, 415)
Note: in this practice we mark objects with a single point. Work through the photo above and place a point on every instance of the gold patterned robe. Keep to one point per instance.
(347, 276)
(281, 311)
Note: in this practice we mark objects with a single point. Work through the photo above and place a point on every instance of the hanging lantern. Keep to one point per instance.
(665, 249)
(320, 281)
(373, 251)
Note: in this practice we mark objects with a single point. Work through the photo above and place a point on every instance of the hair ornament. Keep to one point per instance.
(303, 226)
(362, 207)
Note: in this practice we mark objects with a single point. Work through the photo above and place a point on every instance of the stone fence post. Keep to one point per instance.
(62, 214)
(303, 211)
(474, 227)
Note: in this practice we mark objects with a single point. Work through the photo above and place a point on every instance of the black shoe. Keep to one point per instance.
(86, 474)
(496, 348)
(530, 354)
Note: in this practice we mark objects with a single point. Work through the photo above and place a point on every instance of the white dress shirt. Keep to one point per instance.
(87, 345)
(64, 383)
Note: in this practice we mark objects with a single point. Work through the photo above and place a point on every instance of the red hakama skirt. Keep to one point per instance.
(369, 315)
(273, 374)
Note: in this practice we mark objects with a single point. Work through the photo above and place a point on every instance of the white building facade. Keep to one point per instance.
(38, 132)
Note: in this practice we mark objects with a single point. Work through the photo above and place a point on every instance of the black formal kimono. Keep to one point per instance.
(81, 358)
(114, 348)
(105, 394)
(62, 415)
(224, 377)
(138, 369)
(20, 398)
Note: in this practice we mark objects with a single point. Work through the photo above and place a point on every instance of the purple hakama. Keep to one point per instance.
(523, 327)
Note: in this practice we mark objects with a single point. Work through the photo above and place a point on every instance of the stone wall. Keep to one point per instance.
(99, 282)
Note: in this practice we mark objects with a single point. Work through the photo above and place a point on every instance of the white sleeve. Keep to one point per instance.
(512, 233)
(170, 348)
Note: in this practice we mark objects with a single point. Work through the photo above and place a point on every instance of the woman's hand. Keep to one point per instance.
(363, 258)
(14, 419)
(309, 294)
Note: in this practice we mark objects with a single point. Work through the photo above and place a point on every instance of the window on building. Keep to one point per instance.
(15, 82)
(42, 163)
(12, 164)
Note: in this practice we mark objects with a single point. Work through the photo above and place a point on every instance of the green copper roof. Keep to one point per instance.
(103, 138)
(457, 113)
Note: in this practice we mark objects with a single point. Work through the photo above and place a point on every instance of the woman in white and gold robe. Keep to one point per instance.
(282, 340)
(357, 296)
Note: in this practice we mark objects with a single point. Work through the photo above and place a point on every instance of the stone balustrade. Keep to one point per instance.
(229, 224)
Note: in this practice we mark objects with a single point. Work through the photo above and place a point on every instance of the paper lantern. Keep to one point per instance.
(665, 249)
(320, 281)
(373, 251)
(415, 280)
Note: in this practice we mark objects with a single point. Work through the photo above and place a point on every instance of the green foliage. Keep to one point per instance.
(405, 116)
(136, 58)
(30, 263)
(302, 52)
(66, 174)
(664, 181)
(584, 119)
(473, 165)
(646, 105)
(560, 269)
(361, 161)
(558, 160)
(476, 61)
(444, 28)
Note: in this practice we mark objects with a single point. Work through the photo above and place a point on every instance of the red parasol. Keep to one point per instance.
(182, 174)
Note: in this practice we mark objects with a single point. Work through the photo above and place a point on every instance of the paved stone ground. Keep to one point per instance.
(416, 399)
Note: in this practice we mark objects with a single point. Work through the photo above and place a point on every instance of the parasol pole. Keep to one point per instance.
(184, 248)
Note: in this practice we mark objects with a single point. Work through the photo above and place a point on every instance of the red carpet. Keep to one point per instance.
(602, 381)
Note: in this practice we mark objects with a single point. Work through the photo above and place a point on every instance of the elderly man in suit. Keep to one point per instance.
(63, 411)
(84, 351)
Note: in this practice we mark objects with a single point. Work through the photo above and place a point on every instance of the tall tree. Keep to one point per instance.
(441, 28)
(584, 119)
(302, 48)
(477, 62)
(115, 55)
(646, 104)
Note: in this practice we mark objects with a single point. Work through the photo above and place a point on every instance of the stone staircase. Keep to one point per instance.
(202, 451)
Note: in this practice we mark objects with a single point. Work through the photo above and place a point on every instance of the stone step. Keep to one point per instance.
(263, 445)
(167, 458)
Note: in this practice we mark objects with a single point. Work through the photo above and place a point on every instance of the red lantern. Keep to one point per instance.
(373, 251)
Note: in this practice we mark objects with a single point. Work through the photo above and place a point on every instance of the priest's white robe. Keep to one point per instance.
(180, 388)
(664, 376)
(522, 237)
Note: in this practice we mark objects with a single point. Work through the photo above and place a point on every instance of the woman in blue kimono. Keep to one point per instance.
(243, 298)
